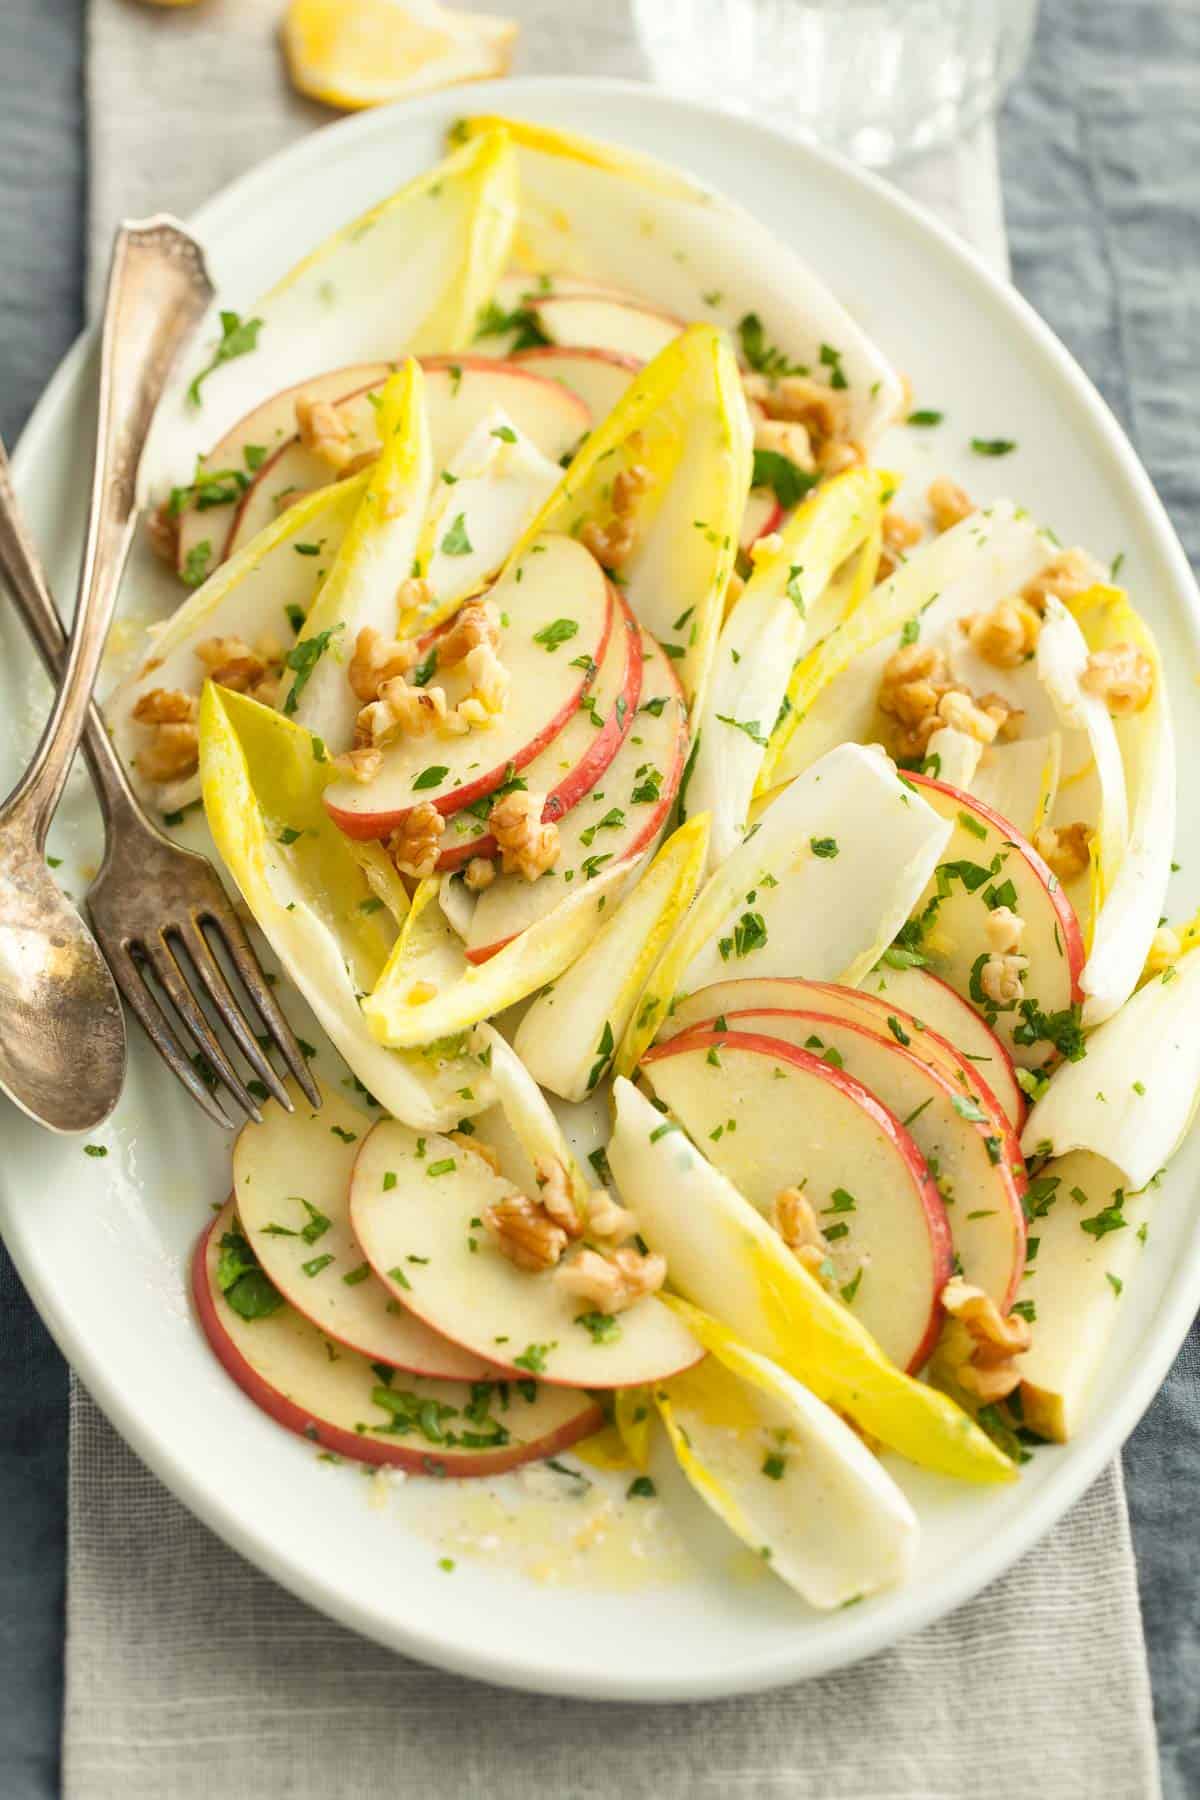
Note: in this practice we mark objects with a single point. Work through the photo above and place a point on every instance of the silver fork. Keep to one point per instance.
(153, 904)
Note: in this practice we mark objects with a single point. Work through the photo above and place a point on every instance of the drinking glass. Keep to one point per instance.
(877, 79)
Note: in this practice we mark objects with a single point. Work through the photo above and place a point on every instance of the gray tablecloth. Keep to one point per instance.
(1102, 180)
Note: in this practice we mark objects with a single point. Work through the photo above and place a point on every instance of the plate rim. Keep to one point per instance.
(1167, 1326)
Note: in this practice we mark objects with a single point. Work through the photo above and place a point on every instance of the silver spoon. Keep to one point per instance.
(62, 1033)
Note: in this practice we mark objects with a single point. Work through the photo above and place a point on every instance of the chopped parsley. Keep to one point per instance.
(992, 446)
(456, 542)
(823, 847)
(558, 632)
(302, 659)
(238, 337)
(787, 480)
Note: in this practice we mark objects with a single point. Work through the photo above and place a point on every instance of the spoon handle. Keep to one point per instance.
(158, 290)
(22, 571)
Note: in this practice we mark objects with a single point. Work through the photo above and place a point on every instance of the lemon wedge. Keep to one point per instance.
(357, 53)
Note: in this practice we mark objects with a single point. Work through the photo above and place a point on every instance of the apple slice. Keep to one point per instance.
(932, 1002)
(291, 1178)
(772, 1115)
(559, 609)
(573, 762)
(725, 1258)
(1090, 1229)
(341, 1403)
(986, 864)
(567, 1038)
(598, 377)
(409, 276)
(264, 593)
(416, 1206)
(867, 1005)
(620, 818)
(975, 1162)
(586, 322)
(788, 1476)
(460, 392)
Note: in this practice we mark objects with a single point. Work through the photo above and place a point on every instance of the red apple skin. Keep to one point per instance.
(579, 781)
(365, 826)
(616, 358)
(1072, 936)
(978, 1083)
(932, 1206)
(773, 522)
(650, 826)
(1010, 1168)
(334, 1438)
(629, 305)
(341, 385)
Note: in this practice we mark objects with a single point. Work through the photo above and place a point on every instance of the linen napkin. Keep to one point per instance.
(188, 1673)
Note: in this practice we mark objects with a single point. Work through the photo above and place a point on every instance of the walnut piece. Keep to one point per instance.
(413, 846)
(1065, 576)
(476, 623)
(1123, 677)
(362, 764)
(611, 543)
(989, 1371)
(378, 659)
(1064, 848)
(1006, 635)
(555, 1196)
(612, 1282)
(231, 663)
(1001, 979)
(480, 874)
(524, 1232)
(527, 847)
(172, 753)
(163, 533)
(795, 1219)
(323, 431)
(400, 711)
(900, 533)
(608, 1220)
(949, 503)
(1004, 930)
(164, 706)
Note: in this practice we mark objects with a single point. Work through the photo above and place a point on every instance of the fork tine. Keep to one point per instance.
(161, 957)
(140, 998)
(223, 998)
(228, 928)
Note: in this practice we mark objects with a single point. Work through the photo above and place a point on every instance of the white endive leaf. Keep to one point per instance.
(1062, 656)
(568, 1036)
(819, 887)
(614, 218)
(969, 568)
(407, 277)
(374, 557)
(1129, 914)
(780, 613)
(1131, 1097)
(1018, 780)
(788, 1476)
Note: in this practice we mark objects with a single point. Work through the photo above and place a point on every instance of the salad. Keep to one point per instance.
(612, 756)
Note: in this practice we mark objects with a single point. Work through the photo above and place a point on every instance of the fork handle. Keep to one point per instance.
(158, 290)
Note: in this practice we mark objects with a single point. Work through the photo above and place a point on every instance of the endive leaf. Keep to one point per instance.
(615, 218)
(683, 424)
(1130, 912)
(724, 1258)
(978, 562)
(375, 556)
(787, 1475)
(1132, 1097)
(318, 899)
(567, 1037)
(430, 991)
(781, 612)
(409, 276)
(819, 887)
(1062, 657)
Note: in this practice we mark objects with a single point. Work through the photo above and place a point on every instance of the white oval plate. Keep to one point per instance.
(102, 1244)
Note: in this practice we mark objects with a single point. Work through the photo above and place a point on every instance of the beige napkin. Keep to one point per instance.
(190, 1674)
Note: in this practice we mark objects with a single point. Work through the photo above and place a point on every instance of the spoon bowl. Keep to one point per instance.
(60, 1004)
